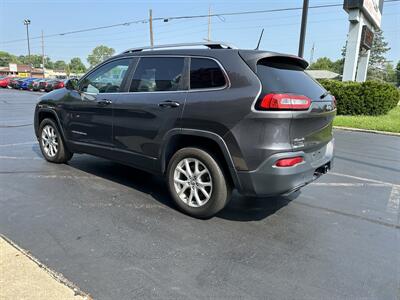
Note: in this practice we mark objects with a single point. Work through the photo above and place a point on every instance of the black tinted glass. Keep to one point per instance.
(158, 74)
(205, 73)
(107, 78)
(286, 78)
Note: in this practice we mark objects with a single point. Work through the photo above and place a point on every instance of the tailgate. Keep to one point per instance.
(310, 128)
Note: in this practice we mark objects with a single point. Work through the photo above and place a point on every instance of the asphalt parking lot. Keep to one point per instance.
(114, 232)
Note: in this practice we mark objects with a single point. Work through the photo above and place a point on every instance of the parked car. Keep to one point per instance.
(54, 85)
(25, 83)
(18, 83)
(209, 120)
(4, 81)
(32, 82)
(35, 85)
(13, 82)
(43, 83)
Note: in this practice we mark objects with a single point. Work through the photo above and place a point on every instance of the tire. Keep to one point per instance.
(208, 171)
(51, 143)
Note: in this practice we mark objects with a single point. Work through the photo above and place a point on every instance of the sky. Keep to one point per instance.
(327, 27)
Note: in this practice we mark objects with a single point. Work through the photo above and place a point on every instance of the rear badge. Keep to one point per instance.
(298, 142)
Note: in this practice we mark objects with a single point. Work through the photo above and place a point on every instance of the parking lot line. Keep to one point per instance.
(393, 205)
(346, 184)
(19, 157)
(19, 144)
(364, 179)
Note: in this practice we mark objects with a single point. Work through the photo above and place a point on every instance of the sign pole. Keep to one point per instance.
(303, 28)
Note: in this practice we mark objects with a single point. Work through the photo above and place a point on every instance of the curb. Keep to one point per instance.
(367, 131)
(57, 276)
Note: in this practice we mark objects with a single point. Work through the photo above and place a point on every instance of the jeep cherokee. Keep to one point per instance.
(208, 119)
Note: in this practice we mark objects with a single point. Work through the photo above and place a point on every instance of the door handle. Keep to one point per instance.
(168, 103)
(104, 102)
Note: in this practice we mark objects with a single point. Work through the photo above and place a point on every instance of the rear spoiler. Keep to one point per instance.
(251, 57)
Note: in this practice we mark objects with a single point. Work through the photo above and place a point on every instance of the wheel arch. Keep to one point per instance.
(44, 113)
(180, 138)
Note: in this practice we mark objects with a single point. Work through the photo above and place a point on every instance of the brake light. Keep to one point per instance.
(334, 101)
(285, 102)
(289, 162)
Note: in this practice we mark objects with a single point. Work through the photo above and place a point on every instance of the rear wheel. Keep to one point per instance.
(51, 143)
(197, 183)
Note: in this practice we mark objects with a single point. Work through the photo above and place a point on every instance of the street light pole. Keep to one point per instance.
(27, 22)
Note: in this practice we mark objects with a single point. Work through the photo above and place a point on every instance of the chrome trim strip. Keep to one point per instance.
(111, 149)
(78, 132)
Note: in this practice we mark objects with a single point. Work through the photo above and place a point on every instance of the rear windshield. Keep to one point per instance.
(287, 78)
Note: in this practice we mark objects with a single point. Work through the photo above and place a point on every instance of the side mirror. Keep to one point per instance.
(72, 84)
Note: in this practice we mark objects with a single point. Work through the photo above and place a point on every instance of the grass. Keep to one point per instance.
(389, 122)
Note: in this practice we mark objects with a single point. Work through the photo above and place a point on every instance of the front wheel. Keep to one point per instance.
(51, 143)
(197, 183)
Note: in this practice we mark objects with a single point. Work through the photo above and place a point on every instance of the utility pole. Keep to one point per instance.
(26, 23)
(312, 53)
(42, 54)
(303, 28)
(209, 24)
(151, 28)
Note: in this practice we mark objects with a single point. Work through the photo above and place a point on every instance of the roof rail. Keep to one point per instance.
(211, 45)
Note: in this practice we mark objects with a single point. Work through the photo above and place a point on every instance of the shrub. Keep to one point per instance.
(366, 98)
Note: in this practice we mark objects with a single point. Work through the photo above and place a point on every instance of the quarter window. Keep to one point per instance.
(155, 74)
(106, 79)
(205, 73)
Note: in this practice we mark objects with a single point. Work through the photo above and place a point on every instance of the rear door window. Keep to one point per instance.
(287, 78)
(157, 74)
(205, 73)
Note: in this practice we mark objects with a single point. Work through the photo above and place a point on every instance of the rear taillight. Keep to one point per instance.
(284, 102)
(334, 102)
(289, 162)
(61, 85)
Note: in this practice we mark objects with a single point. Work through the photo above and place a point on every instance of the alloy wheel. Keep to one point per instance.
(49, 141)
(193, 182)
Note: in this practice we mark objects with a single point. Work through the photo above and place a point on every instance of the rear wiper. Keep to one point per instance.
(324, 95)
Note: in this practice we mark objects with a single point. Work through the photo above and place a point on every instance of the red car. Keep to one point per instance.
(4, 81)
(54, 85)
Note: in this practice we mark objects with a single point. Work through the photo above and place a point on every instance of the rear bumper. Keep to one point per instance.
(269, 180)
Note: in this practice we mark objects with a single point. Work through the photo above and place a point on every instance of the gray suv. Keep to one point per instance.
(209, 120)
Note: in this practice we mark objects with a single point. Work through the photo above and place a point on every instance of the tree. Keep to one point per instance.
(6, 58)
(338, 66)
(48, 64)
(76, 65)
(60, 65)
(389, 73)
(398, 73)
(324, 63)
(99, 54)
(378, 50)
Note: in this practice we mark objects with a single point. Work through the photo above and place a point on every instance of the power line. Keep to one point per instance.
(166, 19)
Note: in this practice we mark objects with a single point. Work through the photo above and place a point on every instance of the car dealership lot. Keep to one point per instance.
(114, 232)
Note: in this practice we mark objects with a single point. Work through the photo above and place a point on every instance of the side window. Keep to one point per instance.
(158, 74)
(106, 79)
(205, 73)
